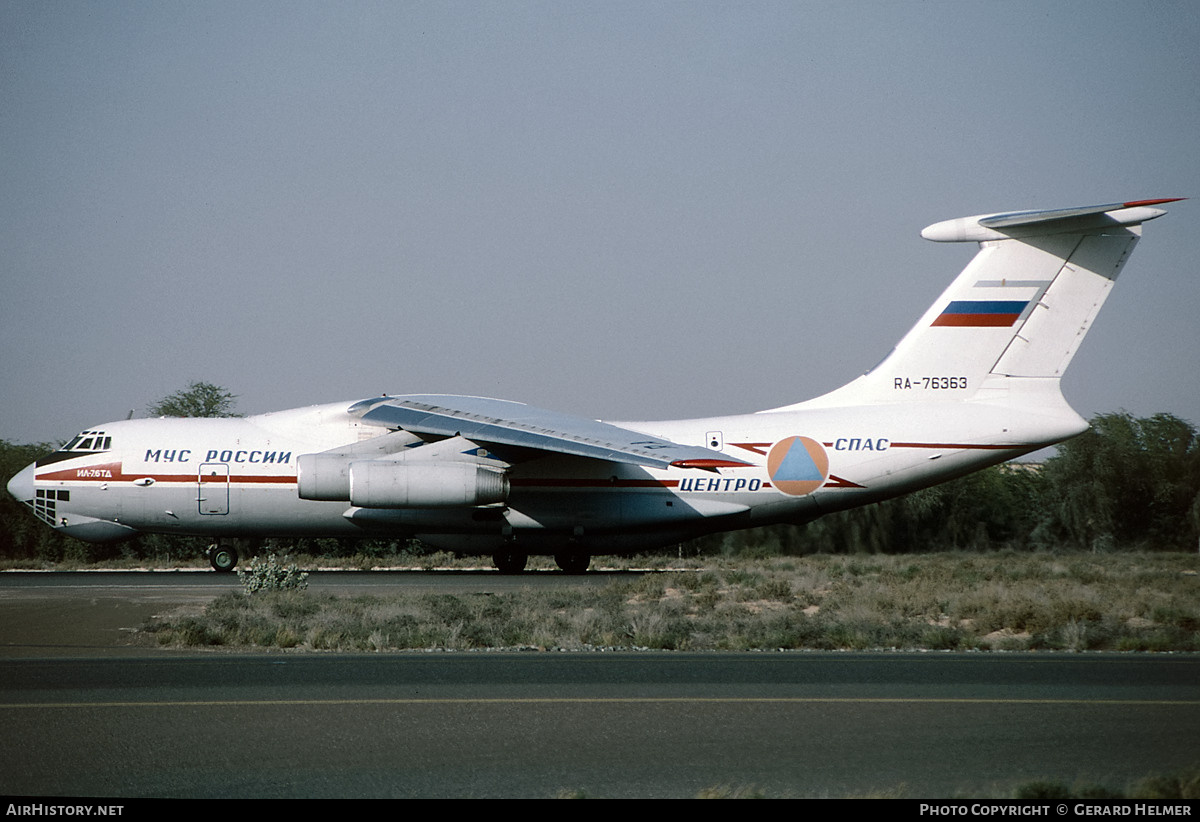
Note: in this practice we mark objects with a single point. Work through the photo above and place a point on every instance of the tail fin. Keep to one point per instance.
(1015, 316)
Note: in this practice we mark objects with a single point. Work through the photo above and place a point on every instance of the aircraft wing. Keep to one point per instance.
(502, 422)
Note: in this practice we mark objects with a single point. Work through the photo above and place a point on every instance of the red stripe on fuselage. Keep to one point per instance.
(957, 445)
(564, 482)
(756, 447)
(112, 472)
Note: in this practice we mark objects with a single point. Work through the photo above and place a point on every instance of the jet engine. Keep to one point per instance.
(400, 483)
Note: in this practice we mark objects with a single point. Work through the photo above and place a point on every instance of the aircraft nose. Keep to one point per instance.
(21, 485)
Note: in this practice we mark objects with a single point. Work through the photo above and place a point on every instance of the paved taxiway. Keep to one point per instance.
(84, 722)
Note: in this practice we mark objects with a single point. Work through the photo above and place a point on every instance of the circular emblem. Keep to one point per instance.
(798, 465)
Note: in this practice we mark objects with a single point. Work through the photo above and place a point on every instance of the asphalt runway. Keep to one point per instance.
(88, 720)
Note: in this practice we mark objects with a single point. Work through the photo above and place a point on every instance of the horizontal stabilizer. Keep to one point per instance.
(981, 228)
(1017, 218)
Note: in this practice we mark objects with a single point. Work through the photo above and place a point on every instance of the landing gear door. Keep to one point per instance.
(213, 496)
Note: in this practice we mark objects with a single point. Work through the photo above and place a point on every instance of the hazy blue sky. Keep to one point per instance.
(619, 210)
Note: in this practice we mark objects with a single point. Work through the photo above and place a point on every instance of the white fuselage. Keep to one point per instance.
(238, 477)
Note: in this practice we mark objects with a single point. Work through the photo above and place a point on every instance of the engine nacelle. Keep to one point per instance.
(398, 483)
(323, 477)
(424, 484)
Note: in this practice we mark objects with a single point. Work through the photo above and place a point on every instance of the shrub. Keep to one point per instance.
(270, 575)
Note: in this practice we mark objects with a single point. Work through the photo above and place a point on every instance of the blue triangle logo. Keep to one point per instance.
(798, 466)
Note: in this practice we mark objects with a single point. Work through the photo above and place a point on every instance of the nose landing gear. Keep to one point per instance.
(223, 557)
(223, 554)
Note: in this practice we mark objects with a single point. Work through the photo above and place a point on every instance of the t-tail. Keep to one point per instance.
(1006, 329)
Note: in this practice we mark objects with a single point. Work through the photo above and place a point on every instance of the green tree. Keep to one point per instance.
(199, 399)
(988, 510)
(1127, 483)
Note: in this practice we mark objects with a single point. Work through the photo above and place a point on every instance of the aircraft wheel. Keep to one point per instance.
(510, 562)
(223, 558)
(573, 563)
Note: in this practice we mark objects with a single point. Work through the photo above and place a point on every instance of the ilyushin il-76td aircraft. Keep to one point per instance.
(974, 383)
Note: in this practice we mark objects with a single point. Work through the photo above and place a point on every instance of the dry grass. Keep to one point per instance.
(1006, 601)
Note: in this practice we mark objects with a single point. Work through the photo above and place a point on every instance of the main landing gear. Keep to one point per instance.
(510, 562)
(513, 562)
(573, 563)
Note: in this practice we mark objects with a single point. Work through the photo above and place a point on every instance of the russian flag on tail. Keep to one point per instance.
(981, 313)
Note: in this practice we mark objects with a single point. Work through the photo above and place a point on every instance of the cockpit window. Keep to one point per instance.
(89, 441)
